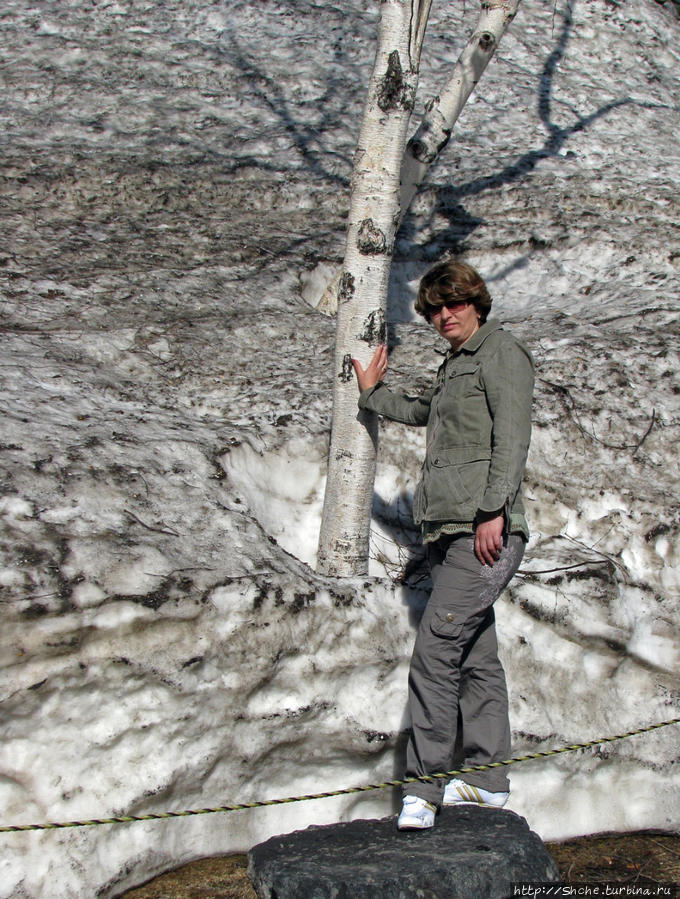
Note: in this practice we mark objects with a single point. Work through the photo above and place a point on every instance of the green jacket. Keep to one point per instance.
(478, 417)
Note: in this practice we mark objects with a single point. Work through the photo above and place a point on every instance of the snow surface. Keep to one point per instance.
(175, 185)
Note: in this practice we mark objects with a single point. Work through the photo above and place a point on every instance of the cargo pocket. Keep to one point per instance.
(446, 623)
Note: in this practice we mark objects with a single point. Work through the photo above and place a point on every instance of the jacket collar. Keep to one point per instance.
(473, 343)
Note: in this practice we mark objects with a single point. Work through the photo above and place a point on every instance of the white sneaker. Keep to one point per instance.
(457, 792)
(416, 814)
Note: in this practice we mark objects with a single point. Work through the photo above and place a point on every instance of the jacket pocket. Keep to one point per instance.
(446, 623)
(460, 455)
(458, 475)
(466, 377)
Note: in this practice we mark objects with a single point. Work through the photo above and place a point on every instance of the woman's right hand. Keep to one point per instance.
(374, 371)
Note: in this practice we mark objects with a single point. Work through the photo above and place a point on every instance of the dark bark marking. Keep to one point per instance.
(345, 287)
(486, 41)
(375, 328)
(370, 240)
(431, 138)
(394, 90)
(347, 372)
(423, 151)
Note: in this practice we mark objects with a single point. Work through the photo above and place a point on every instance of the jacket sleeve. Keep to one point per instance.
(508, 383)
(407, 409)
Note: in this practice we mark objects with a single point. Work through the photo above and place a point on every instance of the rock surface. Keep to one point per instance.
(471, 852)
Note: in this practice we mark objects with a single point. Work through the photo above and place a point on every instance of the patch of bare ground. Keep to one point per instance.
(209, 878)
(644, 859)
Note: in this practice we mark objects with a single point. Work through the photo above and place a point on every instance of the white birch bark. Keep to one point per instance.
(443, 110)
(362, 286)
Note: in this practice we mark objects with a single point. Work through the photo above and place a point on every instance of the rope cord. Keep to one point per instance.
(159, 816)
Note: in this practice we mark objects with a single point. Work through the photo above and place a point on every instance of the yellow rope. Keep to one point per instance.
(127, 819)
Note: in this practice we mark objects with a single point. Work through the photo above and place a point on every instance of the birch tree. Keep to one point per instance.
(362, 286)
(387, 173)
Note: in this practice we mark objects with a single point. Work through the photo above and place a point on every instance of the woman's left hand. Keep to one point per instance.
(489, 539)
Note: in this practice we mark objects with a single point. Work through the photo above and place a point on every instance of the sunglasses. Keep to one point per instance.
(450, 304)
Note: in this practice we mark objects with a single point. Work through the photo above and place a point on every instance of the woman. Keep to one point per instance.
(468, 503)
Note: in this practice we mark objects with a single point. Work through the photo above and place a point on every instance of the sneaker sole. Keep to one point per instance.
(415, 826)
(470, 802)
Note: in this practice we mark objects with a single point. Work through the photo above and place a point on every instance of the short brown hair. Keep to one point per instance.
(451, 280)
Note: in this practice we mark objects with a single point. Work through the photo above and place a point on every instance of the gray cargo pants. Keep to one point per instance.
(455, 666)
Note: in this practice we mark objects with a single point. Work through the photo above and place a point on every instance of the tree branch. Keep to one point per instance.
(150, 527)
(569, 404)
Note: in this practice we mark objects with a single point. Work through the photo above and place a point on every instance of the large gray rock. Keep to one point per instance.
(471, 853)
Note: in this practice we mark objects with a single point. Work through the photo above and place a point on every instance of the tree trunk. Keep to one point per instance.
(362, 286)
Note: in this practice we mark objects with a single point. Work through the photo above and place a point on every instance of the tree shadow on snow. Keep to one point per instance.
(400, 549)
(461, 223)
